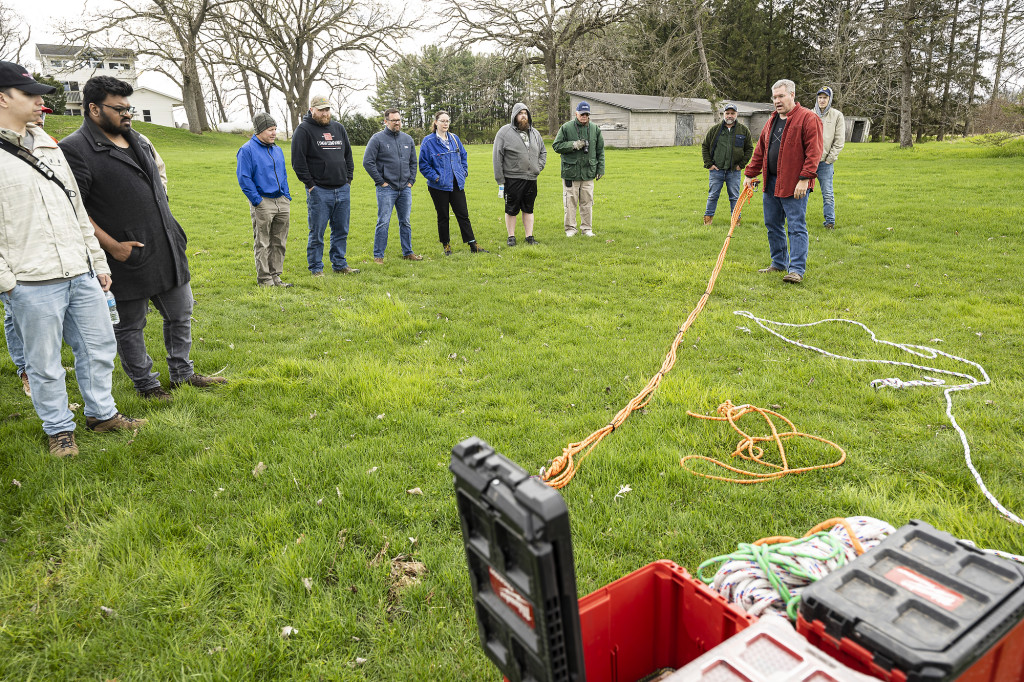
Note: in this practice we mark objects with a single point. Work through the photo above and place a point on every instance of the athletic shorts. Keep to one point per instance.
(519, 195)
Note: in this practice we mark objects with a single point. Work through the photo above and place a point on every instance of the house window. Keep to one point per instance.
(96, 63)
(57, 62)
(146, 116)
(120, 66)
(70, 86)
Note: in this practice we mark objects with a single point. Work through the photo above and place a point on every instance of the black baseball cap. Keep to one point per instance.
(15, 76)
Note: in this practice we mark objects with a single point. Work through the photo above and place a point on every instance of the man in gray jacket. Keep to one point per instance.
(390, 159)
(53, 273)
(519, 157)
(833, 137)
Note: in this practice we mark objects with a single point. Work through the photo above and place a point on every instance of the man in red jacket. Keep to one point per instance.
(787, 155)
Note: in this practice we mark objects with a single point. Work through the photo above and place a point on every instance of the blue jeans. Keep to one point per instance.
(14, 345)
(731, 180)
(825, 172)
(175, 306)
(75, 310)
(388, 199)
(781, 215)
(327, 206)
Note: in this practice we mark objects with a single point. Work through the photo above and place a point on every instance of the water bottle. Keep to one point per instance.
(112, 307)
(501, 191)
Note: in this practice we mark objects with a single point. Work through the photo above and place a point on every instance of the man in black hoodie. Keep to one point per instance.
(322, 160)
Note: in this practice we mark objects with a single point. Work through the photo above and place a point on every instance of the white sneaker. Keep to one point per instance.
(588, 233)
(571, 232)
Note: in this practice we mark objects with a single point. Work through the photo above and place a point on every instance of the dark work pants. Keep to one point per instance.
(175, 306)
(457, 200)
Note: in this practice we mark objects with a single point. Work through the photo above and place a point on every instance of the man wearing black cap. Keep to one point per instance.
(127, 203)
(263, 177)
(581, 146)
(52, 270)
(726, 149)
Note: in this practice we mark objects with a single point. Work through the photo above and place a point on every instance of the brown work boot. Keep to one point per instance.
(199, 381)
(118, 422)
(63, 444)
(378, 261)
(708, 219)
(771, 268)
(156, 393)
(25, 386)
(793, 278)
(412, 256)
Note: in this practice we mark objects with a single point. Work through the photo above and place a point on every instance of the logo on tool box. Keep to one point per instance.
(923, 587)
(512, 599)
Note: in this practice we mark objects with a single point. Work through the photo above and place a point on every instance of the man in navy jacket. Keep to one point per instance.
(390, 159)
(263, 177)
(322, 160)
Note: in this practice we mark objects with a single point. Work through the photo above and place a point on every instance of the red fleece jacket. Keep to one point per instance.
(799, 151)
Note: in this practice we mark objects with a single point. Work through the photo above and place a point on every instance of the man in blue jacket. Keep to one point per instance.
(322, 160)
(263, 177)
(390, 159)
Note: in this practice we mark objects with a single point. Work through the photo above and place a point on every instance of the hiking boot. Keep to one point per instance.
(771, 268)
(63, 444)
(118, 422)
(25, 386)
(279, 283)
(156, 393)
(512, 240)
(199, 381)
(378, 261)
(317, 273)
(570, 232)
(531, 241)
(447, 248)
(475, 248)
(793, 278)
(708, 219)
(830, 226)
(267, 284)
(346, 271)
(412, 256)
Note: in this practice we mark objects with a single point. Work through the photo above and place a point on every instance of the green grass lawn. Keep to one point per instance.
(353, 389)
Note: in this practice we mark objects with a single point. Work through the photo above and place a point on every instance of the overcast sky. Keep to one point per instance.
(45, 16)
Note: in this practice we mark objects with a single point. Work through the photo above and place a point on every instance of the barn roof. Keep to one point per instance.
(677, 105)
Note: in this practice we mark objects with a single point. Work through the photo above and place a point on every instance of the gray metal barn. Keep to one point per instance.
(649, 121)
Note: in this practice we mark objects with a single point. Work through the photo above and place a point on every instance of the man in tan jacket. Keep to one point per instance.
(833, 138)
(53, 273)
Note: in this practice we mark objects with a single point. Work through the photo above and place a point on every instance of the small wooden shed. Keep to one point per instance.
(649, 121)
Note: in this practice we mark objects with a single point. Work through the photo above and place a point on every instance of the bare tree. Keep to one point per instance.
(294, 44)
(172, 31)
(14, 34)
(541, 31)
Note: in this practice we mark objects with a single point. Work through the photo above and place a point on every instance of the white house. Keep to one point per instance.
(73, 65)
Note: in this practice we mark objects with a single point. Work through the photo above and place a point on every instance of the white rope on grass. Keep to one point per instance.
(894, 382)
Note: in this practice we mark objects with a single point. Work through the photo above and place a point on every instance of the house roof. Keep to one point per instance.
(81, 50)
(678, 105)
(176, 100)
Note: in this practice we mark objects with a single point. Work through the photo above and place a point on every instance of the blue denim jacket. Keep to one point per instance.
(262, 171)
(439, 164)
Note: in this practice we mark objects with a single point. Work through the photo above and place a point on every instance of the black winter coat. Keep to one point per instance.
(128, 201)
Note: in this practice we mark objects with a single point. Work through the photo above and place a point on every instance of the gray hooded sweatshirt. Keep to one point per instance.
(513, 158)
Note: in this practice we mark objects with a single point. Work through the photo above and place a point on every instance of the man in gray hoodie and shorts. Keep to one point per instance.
(519, 157)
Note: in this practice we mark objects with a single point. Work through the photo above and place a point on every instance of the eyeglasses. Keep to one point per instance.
(394, 120)
(122, 111)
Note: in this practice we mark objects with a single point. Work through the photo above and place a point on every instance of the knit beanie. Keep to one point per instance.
(262, 121)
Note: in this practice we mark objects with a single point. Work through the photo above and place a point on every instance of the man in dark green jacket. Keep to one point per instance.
(727, 147)
(581, 146)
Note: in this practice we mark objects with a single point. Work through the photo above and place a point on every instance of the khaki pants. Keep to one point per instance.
(269, 237)
(579, 196)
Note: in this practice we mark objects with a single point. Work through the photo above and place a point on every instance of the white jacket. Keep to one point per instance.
(42, 236)
(833, 135)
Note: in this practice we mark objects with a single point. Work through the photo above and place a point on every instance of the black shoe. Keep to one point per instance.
(512, 240)
(476, 249)
(156, 393)
(531, 241)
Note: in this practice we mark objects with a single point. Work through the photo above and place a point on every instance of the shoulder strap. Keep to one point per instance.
(39, 165)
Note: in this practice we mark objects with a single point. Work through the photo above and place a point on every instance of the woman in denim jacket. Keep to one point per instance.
(443, 162)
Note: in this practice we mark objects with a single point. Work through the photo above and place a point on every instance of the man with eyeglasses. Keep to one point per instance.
(390, 159)
(581, 146)
(52, 270)
(122, 190)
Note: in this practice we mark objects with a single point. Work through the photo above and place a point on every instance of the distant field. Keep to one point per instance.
(352, 390)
